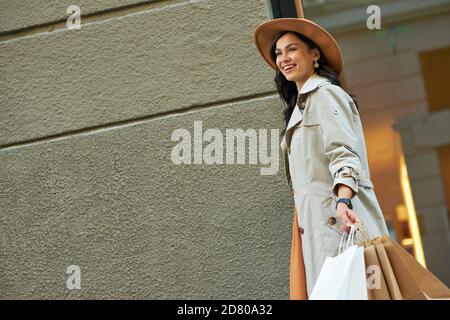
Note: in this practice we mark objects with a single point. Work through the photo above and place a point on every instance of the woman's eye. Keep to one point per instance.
(290, 49)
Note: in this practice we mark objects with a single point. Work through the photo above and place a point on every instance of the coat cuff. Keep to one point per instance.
(348, 176)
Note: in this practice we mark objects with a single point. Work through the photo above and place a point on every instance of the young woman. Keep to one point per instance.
(323, 143)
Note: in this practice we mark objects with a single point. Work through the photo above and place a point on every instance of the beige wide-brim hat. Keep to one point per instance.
(266, 33)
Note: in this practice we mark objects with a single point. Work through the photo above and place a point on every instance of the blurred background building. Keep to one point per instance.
(86, 120)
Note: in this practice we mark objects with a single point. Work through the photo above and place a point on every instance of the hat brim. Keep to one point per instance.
(266, 33)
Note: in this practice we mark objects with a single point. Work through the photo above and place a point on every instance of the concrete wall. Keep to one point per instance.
(86, 177)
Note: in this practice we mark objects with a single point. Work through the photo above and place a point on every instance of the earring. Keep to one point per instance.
(316, 65)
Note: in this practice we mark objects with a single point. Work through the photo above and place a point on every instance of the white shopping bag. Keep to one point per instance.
(343, 277)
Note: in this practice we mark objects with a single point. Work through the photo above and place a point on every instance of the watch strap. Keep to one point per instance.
(347, 201)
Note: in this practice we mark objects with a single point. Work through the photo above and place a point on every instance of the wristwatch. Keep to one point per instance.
(347, 201)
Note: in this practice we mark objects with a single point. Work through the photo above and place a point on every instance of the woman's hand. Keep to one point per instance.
(346, 216)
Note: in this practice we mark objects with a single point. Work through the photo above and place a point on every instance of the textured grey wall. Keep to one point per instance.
(28, 14)
(85, 142)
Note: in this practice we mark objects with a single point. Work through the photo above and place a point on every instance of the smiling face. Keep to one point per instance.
(294, 58)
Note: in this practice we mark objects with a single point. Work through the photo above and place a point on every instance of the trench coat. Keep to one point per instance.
(324, 146)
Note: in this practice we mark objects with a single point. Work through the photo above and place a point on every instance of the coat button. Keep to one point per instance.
(301, 230)
(331, 221)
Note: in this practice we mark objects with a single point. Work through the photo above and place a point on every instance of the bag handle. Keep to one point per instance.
(357, 236)
(362, 235)
(350, 239)
(343, 236)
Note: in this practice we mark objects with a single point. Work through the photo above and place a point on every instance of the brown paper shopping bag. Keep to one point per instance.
(420, 295)
(388, 271)
(405, 277)
(297, 267)
(411, 276)
(376, 282)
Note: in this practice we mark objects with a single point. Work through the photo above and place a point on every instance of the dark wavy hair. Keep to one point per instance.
(288, 89)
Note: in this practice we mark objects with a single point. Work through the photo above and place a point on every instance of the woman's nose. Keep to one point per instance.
(284, 58)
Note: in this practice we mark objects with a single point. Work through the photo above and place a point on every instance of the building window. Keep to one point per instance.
(283, 9)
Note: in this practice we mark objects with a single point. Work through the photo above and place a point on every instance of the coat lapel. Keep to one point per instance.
(311, 84)
(296, 118)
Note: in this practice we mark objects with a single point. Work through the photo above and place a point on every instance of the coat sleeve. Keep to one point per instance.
(340, 138)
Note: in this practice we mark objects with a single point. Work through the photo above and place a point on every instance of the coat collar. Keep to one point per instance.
(312, 83)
